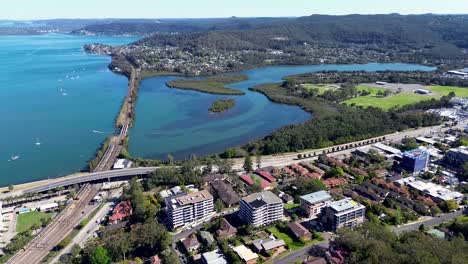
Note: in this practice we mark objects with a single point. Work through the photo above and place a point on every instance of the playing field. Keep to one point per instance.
(445, 90)
(390, 101)
(27, 220)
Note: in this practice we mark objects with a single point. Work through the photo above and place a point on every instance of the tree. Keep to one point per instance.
(219, 205)
(259, 160)
(448, 206)
(248, 165)
(100, 256)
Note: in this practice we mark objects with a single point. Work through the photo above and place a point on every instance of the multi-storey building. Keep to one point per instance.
(457, 156)
(185, 209)
(342, 213)
(261, 208)
(415, 160)
(312, 203)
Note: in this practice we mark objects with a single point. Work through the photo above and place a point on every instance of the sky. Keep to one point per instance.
(46, 9)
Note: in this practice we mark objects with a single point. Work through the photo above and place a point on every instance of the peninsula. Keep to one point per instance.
(212, 85)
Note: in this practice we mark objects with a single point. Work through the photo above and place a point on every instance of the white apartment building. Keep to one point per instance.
(185, 209)
(261, 208)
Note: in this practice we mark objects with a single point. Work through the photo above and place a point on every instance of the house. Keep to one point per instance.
(268, 244)
(225, 192)
(245, 254)
(251, 179)
(214, 257)
(121, 211)
(266, 175)
(312, 168)
(191, 243)
(287, 198)
(226, 229)
(207, 237)
(333, 182)
(300, 231)
(207, 179)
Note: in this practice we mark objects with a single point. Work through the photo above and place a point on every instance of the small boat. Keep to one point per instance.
(15, 157)
(38, 143)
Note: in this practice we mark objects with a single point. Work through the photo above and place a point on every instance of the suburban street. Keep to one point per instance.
(303, 252)
(429, 222)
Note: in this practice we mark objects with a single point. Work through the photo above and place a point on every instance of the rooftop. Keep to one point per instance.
(316, 197)
(245, 253)
(416, 153)
(345, 205)
(193, 197)
(387, 149)
(265, 197)
(214, 257)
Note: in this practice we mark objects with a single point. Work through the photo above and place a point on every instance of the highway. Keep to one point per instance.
(57, 230)
(83, 178)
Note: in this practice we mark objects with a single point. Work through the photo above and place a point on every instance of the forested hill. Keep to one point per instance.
(152, 26)
(430, 32)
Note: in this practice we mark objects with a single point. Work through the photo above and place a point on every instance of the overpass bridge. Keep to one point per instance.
(95, 177)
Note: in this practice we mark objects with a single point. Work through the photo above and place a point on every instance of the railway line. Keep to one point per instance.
(57, 230)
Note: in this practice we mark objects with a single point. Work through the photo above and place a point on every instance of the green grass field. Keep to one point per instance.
(27, 220)
(386, 103)
(372, 90)
(290, 206)
(292, 243)
(321, 88)
(445, 90)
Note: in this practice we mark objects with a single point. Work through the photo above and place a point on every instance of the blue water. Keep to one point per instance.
(178, 121)
(35, 74)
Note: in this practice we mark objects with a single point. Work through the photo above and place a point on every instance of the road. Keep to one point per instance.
(82, 178)
(302, 253)
(57, 230)
(93, 225)
(288, 158)
(429, 222)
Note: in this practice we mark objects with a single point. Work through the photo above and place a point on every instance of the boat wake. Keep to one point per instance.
(101, 132)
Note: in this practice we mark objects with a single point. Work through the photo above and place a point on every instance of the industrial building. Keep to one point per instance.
(343, 213)
(312, 203)
(415, 160)
(261, 208)
(186, 209)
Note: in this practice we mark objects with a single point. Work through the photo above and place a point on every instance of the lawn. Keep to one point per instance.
(388, 102)
(290, 206)
(293, 244)
(321, 88)
(445, 90)
(27, 220)
(372, 90)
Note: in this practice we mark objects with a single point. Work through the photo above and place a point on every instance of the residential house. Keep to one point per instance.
(226, 229)
(245, 254)
(266, 175)
(300, 231)
(121, 211)
(207, 237)
(191, 243)
(225, 192)
(214, 257)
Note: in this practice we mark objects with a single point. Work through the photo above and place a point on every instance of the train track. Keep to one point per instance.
(57, 230)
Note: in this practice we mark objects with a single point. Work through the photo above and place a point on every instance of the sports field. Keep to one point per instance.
(445, 90)
(27, 220)
(390, 101)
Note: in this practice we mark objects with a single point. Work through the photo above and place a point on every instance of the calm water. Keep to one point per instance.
(178, 122)
(52, 92)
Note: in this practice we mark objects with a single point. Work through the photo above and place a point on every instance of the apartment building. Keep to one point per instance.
(313, 203)
(343, 213)
(261, 208)
(185, 209)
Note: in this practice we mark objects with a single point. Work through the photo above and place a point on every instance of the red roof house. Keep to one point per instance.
(266, 175)
(247, 179)
(121, 211)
